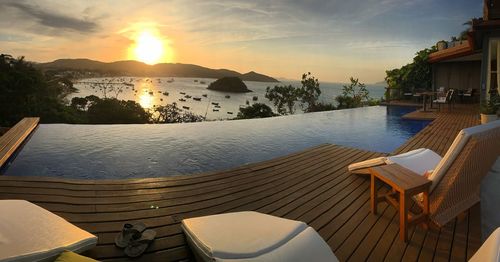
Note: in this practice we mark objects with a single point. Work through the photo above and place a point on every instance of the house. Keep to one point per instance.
(472, 63)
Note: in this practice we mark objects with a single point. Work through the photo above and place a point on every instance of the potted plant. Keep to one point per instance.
(441, 45)
(489, 110)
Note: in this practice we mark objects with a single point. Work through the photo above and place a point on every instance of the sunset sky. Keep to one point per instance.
(332, 39)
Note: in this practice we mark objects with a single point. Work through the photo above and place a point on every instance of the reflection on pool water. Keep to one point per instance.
(132, 151)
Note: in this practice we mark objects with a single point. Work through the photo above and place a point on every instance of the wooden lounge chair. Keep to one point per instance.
(456, 177)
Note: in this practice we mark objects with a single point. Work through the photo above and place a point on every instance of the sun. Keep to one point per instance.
(148, 48)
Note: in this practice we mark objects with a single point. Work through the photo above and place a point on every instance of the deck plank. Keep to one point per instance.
(13, 139)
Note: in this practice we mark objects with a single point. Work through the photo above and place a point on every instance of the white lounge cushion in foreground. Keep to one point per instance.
(253, 236)
(490, 250)
(31, 233)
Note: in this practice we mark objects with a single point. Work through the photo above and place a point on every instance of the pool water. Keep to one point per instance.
(134, 151)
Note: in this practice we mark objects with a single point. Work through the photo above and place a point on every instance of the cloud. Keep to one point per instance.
(52, 19)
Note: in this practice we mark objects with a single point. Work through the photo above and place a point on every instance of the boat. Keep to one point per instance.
(217, 106)
(165, 93)
(196, 80)
(204, 95)
(187, 96)
(203, 82)
(128, 84)
(197, 98)
(215, 103)
(159, 91)
(255, 98)
(227, 96)
(182, 99)
(150, 92)
(185, 107)
(215, 110)
(230, 113)
(182, 93)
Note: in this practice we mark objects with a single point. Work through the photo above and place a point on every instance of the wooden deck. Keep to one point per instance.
(312, 186)
(433, 113)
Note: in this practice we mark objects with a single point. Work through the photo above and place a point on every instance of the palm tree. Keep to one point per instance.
(463, 34)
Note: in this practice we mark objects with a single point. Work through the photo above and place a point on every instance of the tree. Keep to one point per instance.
(79, 103)
(258, 110)
(416, 75)
(310, 92)
(27, 91)
(318, 107)
(353, 95)
(113, 86)
(172, 114)
(114, 111)
(283, 97)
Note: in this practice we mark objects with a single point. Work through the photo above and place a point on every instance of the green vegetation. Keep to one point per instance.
(94, 110)
(26, 91)
(309, 93)
(283, 97)
(414, 76)
(173, 114)
(491, 106)
(258, 110)
(353, 95)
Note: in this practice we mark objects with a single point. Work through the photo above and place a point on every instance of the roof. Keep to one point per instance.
(465, 48)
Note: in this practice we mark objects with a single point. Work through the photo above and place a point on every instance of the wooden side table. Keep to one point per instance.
(406, 184)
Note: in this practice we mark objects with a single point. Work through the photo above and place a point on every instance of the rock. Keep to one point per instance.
(229, 84)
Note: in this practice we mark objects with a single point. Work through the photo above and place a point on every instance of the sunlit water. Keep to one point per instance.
(132, 151)
(149, 92)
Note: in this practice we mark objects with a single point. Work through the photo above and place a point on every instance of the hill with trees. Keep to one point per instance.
(229, 84)
(136, 68)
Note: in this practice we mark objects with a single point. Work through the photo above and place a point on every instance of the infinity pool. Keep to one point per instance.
(135, 151)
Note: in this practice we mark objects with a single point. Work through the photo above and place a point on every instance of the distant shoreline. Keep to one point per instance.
(79, 68)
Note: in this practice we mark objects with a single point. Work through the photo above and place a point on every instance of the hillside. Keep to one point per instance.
(135, 68)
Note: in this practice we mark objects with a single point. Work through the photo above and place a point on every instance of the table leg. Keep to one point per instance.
(426, 207)
(374, 196)
(403, 216)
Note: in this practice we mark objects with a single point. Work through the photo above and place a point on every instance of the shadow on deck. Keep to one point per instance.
(312, 186)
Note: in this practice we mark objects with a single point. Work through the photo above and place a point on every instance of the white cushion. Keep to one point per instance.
(252, 236)
(31, 233)
(440, 99)
(367, 163)
(419, 160)
(490, 250)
